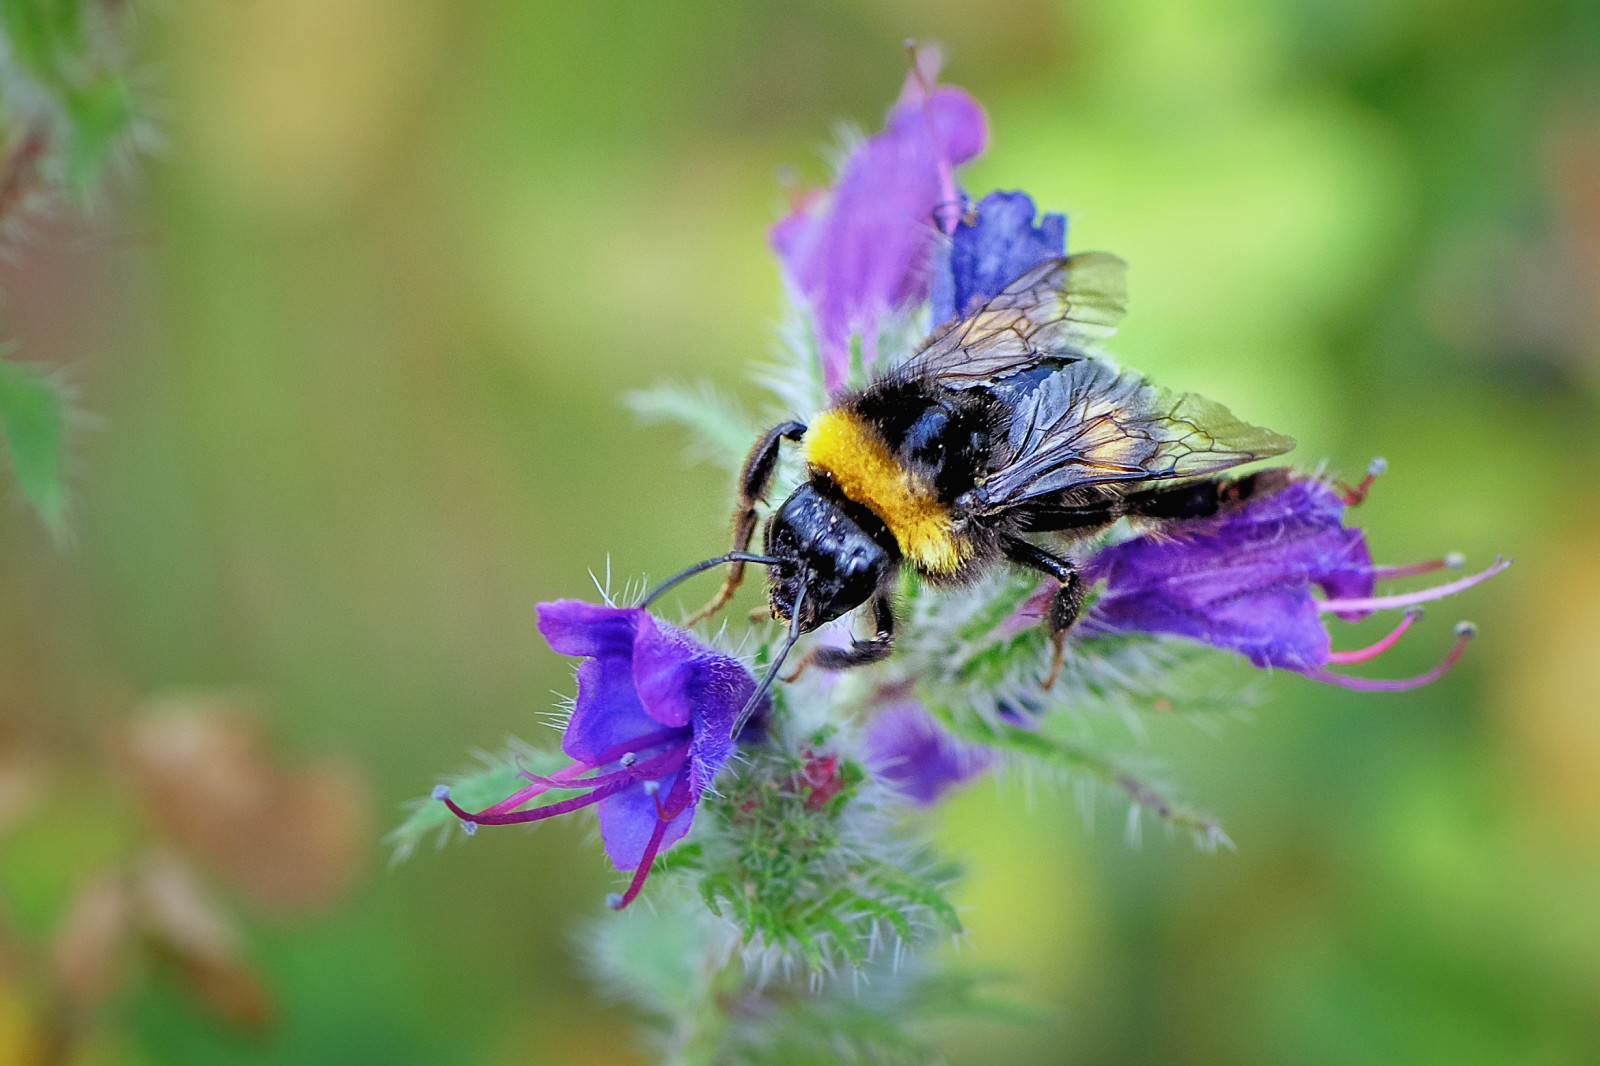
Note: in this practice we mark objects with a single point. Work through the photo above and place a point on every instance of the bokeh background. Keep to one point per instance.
(349, 351)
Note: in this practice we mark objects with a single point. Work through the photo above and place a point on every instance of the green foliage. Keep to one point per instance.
(722, 434)
(65, 106)
(678, 964)
(882, 1021)
(797, 850)
(32, 411)
(64, 62)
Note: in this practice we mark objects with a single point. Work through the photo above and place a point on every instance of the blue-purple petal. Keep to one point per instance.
(607, 711)
(628, 818)
(662, 673)
(573, 627)
(997, 246)
(721, 686)
(1241, 581)
(866, 251)
(906, 747)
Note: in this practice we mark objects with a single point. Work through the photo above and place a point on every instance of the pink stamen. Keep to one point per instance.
(1353, 497)
(491, 817)
(562, 778)
(1453, 561)
(606, 785)
(1437, 592)
(677, 803)
(1372, 651)
(567, 776)
(1465, 631)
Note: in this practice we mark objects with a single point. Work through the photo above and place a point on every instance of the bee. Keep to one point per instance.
(1004, 424)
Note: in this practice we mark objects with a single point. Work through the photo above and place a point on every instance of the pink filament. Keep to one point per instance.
(1372, 651)
(677, 803)
(492, 817)
(606, 785)
(1408, 599)
(571, 776)
(1387, 573)
(1364, 684)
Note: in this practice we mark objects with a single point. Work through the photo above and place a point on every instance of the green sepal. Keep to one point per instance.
(32, 416)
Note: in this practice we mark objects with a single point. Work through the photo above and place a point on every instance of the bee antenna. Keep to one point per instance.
(772, 671)
(684, 575)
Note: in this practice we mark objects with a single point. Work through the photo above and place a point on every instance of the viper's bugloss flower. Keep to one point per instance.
(917, 756)
(650, 729)
(1244, 581)
(993, 244)
(864, 249)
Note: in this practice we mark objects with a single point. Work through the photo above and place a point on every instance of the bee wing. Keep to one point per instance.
(1090, 423)
(1060, 309)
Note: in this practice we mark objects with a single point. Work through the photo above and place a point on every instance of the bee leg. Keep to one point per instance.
(754, 480)
(860, 652)
(1064, 604)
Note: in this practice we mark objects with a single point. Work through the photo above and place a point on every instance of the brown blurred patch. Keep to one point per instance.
(1546, 699)
(89, 954)
(156, 906)
(187, 929)
(21, 779)
(286, 838)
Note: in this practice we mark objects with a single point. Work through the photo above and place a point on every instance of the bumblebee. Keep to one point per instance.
(1003, 424)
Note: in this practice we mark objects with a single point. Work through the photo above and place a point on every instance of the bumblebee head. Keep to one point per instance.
(823, 559)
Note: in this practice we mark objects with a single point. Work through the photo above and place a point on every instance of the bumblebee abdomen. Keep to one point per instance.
(846, 448)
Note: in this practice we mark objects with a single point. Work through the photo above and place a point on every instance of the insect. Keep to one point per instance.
(1004, 424)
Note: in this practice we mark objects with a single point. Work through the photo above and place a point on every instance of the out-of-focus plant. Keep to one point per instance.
(198, 815)
(68, 115)
(790, 918)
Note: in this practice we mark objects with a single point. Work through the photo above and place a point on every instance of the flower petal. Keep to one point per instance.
(629, 818)
(661, 671)
(1240, 581)
(988, 253)
(867, 251)
(573, 627)
(607, 712)
(906, 747)
(720, 689)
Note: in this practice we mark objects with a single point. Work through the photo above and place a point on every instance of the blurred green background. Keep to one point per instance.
(351, 349)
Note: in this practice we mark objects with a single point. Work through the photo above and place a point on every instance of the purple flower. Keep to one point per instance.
(917, 757)
(651, 728)
(1244, 581)
(864, 249)
(992, 246)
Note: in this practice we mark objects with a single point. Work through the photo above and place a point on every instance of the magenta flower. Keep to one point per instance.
(993, 244)
(864, 249)
(907, 748)
(1244, 581)
(650, 729)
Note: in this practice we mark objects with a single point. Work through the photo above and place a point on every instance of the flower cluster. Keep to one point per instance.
(800, 846)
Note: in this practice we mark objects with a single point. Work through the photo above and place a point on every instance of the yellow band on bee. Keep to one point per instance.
(866, 471)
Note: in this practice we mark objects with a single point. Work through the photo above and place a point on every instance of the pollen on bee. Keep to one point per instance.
(858, 461)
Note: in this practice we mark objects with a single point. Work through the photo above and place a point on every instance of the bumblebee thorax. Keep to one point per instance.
(846, 449)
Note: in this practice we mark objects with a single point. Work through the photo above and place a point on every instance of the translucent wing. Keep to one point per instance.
(1059, 309)
(1090, 423)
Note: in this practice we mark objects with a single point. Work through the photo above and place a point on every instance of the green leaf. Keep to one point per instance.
(99, 112)
(723, 434)
(42, 33)
(32, 411)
